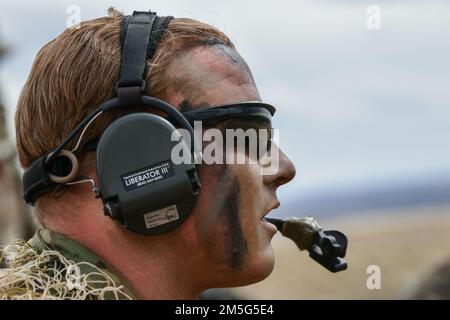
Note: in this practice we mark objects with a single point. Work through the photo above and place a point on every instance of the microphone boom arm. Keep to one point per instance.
(326, 247)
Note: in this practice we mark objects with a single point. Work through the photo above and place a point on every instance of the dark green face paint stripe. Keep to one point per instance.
(230, 212)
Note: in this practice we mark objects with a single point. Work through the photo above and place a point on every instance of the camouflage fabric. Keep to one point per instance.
(56, 267)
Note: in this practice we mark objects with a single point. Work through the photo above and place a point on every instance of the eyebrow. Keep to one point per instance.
(186, 106)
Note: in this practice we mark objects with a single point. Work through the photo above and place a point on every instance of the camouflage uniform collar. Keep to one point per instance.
(46, 240)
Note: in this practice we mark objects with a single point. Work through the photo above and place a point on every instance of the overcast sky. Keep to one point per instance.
(355, 106)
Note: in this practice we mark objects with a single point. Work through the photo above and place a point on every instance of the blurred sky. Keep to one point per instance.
(355, 106)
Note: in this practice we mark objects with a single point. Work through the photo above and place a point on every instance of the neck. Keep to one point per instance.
(151, 270)
(152, 267)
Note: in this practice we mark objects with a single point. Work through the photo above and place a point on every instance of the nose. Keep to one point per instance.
(286, 170)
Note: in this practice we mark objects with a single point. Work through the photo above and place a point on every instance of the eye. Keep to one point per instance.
(268, 144)
(269, 141)
(260, 126)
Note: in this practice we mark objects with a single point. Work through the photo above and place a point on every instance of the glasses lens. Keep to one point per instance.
(255, 132)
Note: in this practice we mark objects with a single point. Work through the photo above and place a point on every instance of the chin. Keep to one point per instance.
(257, 268)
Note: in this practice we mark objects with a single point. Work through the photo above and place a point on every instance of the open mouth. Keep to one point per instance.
(268, 225)
(278, 223)
(275, 206)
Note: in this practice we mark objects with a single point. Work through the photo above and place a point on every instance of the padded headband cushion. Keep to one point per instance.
(159, 28)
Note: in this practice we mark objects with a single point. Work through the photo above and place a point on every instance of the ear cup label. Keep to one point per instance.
(142, 177)
(162, 216)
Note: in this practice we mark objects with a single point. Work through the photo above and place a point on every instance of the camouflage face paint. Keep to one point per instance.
(236, 242)
(219, 229)
(185, 106)
(235, 59)
(212, 73)
(226, 212)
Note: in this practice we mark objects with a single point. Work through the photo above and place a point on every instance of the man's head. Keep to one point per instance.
(223, 242)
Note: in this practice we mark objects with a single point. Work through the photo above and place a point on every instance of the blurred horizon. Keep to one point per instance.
(358, 109)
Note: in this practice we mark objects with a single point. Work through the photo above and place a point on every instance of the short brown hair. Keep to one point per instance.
(74, 73)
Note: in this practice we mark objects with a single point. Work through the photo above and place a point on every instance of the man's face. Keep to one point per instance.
(226, 224)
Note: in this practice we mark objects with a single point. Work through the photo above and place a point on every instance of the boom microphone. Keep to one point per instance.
(327, 247)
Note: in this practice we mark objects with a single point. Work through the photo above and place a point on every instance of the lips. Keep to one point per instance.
(276, 205)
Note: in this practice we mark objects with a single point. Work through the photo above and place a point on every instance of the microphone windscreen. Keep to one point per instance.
(302, 231)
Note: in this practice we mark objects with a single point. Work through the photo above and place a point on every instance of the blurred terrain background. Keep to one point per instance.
(364, 114)
(15, 220)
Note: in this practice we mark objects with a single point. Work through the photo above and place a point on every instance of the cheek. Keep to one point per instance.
(218, 218)
(253, 204)
(252, 194)
(228, 212)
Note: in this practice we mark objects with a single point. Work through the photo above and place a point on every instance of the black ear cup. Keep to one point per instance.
(139, 184)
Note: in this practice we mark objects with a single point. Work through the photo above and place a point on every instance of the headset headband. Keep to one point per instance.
(140, 35)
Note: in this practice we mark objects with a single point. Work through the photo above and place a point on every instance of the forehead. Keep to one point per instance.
(213, 75)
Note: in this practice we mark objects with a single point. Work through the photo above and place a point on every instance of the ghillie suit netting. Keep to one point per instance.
(27, 274)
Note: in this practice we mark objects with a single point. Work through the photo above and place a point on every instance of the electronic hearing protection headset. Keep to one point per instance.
(138, 183)
(133, 154)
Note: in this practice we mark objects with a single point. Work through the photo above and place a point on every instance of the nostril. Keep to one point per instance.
(286, 175)
(282, 180)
